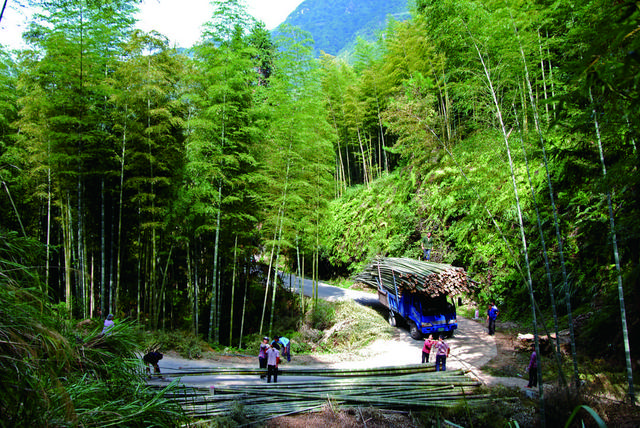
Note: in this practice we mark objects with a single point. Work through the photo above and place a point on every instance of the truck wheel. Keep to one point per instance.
(414, 331)
(392, 319)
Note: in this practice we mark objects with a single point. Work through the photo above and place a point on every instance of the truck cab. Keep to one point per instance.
(424, 314)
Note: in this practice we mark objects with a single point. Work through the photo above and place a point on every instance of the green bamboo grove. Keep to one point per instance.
(173, 186)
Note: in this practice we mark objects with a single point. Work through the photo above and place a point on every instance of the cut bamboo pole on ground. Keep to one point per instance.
(391, 388)
(310, 371)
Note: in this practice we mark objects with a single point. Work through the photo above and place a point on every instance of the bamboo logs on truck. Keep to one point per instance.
(411, 275)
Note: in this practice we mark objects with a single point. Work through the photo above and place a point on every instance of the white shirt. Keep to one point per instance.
(272, 356)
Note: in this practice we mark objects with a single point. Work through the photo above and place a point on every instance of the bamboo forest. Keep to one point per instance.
(177, 188)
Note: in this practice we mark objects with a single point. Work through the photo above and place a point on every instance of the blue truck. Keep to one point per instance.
(423, 314)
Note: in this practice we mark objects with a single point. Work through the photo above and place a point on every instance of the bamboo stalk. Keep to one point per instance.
(395, 388)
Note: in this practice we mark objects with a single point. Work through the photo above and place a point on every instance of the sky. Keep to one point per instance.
(179, 20)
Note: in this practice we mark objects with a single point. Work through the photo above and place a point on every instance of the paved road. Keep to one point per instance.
(330, 292)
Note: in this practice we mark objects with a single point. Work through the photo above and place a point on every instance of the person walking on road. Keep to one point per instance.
(492, 315)
(262, 355)
(426, 348)
(273, 358)
(442, 352)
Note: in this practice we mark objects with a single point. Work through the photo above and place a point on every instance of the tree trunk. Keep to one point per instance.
(68, 242)
(244, 303)
(214, 313)
(233, 290)
(118, 242)
(266, 289)
(364, 159)
(275, 273)
(505, 135)
(103, 246)
(576, 377)
(616, 255)
(48, 249)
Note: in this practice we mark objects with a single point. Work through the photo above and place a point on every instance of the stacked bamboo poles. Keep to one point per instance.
(433, 279)
(310, 371)
(391, 391)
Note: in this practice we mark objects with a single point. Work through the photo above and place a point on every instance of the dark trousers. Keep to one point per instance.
(533, 377)
(441, 363)
(492, 326)
(272, 370)
(425, 357)
(263, 365)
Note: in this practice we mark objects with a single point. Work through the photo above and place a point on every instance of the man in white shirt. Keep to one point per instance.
(273, 355)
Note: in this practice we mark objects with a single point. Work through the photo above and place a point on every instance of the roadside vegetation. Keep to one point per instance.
(57, 372)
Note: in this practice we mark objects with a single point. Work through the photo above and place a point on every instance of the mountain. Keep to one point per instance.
(335, 24)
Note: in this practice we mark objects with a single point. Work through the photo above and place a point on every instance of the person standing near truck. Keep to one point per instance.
(426, 348)
(442, 352)
(426, 244)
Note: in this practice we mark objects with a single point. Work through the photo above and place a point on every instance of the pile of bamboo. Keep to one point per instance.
(404, 274)
(395, 390)
(308, 371)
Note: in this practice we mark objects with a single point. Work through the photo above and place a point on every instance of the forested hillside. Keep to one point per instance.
(335, 25)
(169, 188)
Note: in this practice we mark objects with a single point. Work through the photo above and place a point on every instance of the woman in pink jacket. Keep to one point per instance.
(426, 349)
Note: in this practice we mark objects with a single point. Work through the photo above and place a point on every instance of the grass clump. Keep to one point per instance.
(354, 327)
(56, 373)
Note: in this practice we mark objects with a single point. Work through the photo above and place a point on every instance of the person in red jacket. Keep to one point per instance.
(426, 348)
